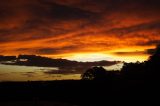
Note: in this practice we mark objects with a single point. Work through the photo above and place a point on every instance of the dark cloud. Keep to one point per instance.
(153, 51)
(47, 51)
(147, 51)
(56, 50)
(39, 20)
(130, 53)
(150, 51)
(133, 29)
(151, 42)
(72, 70)
(59, 12)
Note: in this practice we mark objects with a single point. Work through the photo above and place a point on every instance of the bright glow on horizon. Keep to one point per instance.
(84, 57)
(129, 59)
(91, 57)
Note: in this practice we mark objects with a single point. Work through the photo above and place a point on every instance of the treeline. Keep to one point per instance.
(147, 70)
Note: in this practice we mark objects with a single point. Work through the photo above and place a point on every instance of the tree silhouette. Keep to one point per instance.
(94, 73)
(155, 58)
(133, 71)
(153, 65)
(149, 69)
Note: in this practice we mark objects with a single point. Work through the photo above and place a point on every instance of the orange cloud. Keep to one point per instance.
(63, 28)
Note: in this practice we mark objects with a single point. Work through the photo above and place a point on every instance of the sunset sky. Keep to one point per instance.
(82, 30)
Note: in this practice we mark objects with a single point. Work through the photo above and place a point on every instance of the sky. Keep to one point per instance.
(82, 30)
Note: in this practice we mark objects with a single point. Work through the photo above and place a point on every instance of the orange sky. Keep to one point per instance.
(83, 30)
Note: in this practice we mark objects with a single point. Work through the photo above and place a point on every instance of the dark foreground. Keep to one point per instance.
(79, 93)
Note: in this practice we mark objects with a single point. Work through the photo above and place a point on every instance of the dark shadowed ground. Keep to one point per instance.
(78, 93)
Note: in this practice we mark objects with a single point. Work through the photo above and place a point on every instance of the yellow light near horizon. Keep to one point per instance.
(84, 57)
(135, 58)
(108, 56)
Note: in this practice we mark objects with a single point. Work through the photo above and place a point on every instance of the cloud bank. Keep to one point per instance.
(64, 27)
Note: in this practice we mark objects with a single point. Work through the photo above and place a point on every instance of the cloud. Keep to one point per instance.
(48, 51)
(29, 74)
(134, 53)
(79, 68)
(151, 42)
(130, 53)
(137, 28)
(150, 51)
(38, 20)
(153, 51)
(49, 27)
